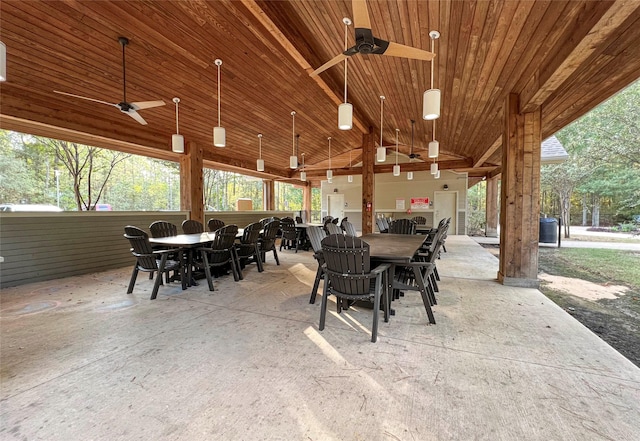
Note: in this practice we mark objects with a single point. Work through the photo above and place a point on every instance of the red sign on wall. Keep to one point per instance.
(419, 203)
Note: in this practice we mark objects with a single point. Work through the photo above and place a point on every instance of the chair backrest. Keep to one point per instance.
(348, 228)
(134, 231)
(251, 233)
(346, 256)
(419, 220)
(335, 221)
(327, 219)
(163, 229)
(332, 228)
(270, 232)
(141, 248)
(191, 226)
(215, 224)
(382, 227)
(402, 226)
(288, 228)
(315, 235)
(299, 220)
(224, 238)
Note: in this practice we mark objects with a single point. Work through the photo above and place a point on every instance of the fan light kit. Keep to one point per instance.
(345, 110)
(260, 161)
(293, 159)
(177, 140)
(396, 168)
(431, 97)
(219, 134)
(303, 174)
(3, 62)
(130, 109)
(366, 43)
(381, 153)
(329, 172)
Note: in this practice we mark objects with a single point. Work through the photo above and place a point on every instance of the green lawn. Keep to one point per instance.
(595, 265)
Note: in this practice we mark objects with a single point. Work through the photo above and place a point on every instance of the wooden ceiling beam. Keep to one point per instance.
(271, 27)
(544, 83)
(488, 153)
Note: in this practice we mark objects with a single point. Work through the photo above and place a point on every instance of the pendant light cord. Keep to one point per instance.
(397, 131)
(329, 152)
(293, 134)
(433, 42)
(346, 61)
(177, 126)
(260, 144)
(219, 92)
(381, 117)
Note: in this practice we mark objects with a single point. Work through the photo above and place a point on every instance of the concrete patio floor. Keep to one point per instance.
(82, 360)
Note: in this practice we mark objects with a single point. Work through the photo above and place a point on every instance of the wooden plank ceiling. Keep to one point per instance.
(566, 56)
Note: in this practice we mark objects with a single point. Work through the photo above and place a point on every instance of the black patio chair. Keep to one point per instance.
(348, 275)
(191, 226)
(150, 260)
(163, 229)
(215, 224)
(268, 240)
(220, 253)
(332, 228)
(299, 220)
(290, 234)
(348, 228)
(402, 226)
(315, 235)
(382, 225)
(248, 249)
(419, 220)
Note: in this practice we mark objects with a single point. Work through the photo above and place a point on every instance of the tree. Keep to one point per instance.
(89, 168)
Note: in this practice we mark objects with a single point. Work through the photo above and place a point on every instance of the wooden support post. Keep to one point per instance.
(520, 191)
(368, 181)
(491, 229)
(268, 195)
(192, 182)
(306, 202)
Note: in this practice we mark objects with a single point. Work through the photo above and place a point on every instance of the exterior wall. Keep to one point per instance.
(45, 246)
(389, 188)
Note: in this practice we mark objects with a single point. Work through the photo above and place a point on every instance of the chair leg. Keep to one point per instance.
(156, 285)
(323, 307)
(234, 268)
(237, 260)
(258, 259)
(207, 270)
(425, 298)
(376, 309)
(134, 276)
(275, 255)
(316, 284)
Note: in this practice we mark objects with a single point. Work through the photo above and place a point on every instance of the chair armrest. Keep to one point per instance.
(381, 268)
(168, 251)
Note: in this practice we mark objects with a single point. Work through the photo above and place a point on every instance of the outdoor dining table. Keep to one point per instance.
(188, 242)
(302, 230)
(395, 249)
(423, 229)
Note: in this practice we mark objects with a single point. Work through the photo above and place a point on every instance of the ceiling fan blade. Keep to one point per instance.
(360, 14)
(85, 98)
(400, 50)
(335, 60)
(135, 115)
(147, 104)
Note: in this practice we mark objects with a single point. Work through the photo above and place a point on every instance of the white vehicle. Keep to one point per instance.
(30, 207)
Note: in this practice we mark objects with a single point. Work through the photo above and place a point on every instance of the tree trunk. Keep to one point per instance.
(565, 210)
(585, 210)
(595, 219)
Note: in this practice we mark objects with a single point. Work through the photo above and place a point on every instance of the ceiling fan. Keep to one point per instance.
(366, 43)
(130, 109)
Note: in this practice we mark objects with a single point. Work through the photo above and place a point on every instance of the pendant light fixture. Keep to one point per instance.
(303, 174)
(381, 153)
(3, 62)
(350, 177)
(177, 140)
(345, 110)
(329, 172)
(434, 166)
(293, 159)
(219, 134)
(410, 176)
(260, 161)
(396, 168)
(431, 97)
(437, 175)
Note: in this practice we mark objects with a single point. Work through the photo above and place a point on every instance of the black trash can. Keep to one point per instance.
(548, 230)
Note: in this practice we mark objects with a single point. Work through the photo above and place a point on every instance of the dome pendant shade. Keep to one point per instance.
(177, 143)
(434, 168)
(381, 154)
(409, 176)
(345, 116)
(396, 170)
(434, 149)
(260, 164)
(219, 137)
(431, 104)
